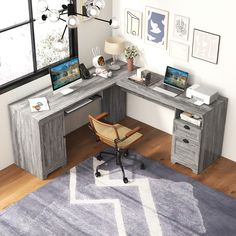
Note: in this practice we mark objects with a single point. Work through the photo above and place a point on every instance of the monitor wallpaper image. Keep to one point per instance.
(65, 73)
(176, 78)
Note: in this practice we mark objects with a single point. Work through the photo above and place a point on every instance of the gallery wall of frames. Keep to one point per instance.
(153, 27)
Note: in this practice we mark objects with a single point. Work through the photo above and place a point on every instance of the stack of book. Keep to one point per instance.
(194, 119)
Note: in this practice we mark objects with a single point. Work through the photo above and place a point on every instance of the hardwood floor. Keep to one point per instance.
(16, 183)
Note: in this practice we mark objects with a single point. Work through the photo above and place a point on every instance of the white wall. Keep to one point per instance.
(91, 33)
(213, 16)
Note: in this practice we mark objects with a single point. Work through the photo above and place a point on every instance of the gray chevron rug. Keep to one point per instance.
(156, 201)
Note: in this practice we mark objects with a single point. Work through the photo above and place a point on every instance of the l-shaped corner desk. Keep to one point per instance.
(38, 139)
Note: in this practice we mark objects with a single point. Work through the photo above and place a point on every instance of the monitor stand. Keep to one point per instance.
(66, 91)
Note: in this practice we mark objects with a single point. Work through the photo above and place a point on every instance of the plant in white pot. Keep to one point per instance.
(130, 53)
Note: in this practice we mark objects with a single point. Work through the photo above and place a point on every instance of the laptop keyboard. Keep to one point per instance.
(161, 90)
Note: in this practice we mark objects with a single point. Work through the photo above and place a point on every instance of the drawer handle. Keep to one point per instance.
(185, 140)
(186, 127)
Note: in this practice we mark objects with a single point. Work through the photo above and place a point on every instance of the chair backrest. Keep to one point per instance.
(107, 133)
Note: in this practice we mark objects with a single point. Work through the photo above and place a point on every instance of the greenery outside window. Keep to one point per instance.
(27, 46)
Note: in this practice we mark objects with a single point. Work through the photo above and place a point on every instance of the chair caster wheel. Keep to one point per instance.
(99, 158)
(126, 153)
(142, 167)
(125, 180)
(98, 174)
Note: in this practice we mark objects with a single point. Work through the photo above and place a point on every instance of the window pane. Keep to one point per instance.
(13, 13)
(46, 36)
(48, 33)
(16, 54)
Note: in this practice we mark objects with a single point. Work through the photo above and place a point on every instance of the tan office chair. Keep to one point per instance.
(117, 136)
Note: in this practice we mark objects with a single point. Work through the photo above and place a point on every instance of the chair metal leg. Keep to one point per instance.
(99, 157)
(122, 168)
(97, 173)
(118, 155)
(126, 155)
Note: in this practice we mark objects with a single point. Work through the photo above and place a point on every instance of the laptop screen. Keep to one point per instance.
(176, 78)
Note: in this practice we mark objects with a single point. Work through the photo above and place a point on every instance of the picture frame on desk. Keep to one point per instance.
(156, 27)
(205, 46)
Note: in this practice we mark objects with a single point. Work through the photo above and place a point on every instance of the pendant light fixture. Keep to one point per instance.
(91, 9)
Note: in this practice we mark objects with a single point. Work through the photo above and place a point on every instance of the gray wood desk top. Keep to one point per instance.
(180, 102)
(58, 102)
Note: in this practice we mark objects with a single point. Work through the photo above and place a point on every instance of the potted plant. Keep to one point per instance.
(130, 53)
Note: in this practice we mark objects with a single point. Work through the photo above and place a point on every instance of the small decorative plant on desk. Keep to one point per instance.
(130, 53)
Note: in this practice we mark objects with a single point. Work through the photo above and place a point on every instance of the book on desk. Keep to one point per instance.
(38, 104)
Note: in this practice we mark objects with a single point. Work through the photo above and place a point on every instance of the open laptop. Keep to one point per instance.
(174, 83)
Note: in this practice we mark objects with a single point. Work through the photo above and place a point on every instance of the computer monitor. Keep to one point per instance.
(65, 75)
(176, 78)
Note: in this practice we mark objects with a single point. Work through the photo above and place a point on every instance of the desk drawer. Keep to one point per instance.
(185, 150)
(190, 131)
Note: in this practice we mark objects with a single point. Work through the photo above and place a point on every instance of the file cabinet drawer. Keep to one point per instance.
(191, 131)
(185, 150)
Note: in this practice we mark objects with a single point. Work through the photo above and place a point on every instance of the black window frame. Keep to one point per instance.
(37, 74)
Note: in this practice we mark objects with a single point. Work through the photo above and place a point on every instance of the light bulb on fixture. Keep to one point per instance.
(114, 23)
(53, 15)
(72, 21)
(42, 5)
(99, 3)
(93, 11)
(39, 19)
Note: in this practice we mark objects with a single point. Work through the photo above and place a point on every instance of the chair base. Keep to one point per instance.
(118, 155)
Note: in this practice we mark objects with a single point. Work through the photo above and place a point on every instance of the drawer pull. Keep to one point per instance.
(186, 127)
(185, 140)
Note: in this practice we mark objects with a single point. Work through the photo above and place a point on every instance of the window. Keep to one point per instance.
(27, 46)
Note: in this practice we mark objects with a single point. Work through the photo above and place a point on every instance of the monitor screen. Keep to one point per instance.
(176, 77)
(65, 73)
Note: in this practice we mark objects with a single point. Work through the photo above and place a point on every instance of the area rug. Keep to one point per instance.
(156, 201)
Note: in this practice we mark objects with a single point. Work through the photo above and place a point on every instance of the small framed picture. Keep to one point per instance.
(205, 46)
(133, 23)
(179, 50)
(181, 27)
(156, 27)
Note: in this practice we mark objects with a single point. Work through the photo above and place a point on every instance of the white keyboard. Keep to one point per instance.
(161, 90)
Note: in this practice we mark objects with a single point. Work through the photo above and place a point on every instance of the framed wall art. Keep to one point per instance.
(205, 46)
(181, 27)
(179, 50)
(133, 23)
(156, 27)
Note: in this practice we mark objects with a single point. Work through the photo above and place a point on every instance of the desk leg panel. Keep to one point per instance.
(25, 142)
(39, 147)
(114, 102)
(52, 140)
